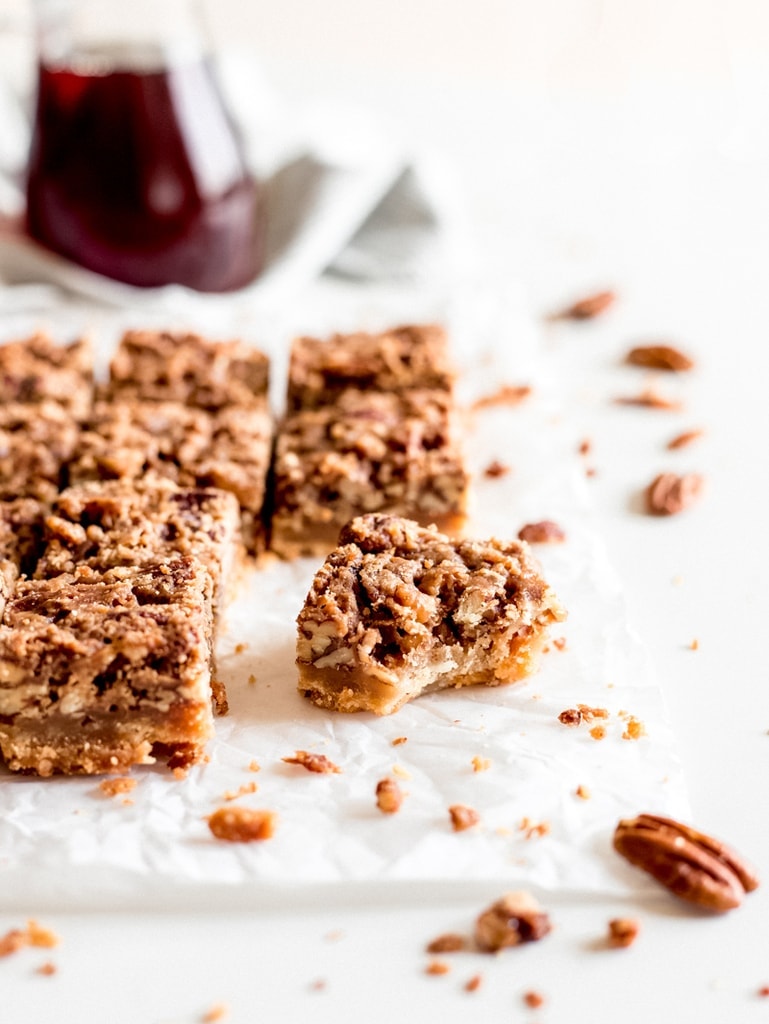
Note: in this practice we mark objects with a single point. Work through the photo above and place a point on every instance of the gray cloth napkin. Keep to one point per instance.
(341, 197)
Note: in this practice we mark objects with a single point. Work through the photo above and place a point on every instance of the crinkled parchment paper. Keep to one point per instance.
(63, 840)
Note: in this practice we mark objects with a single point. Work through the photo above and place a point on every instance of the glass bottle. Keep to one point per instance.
(135, 168)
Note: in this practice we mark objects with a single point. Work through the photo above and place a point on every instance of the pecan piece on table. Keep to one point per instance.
(317, 763)
(587, 308)
(668, 494)
(659, 357)
(689, 863)
(512, 920)
(544, 532)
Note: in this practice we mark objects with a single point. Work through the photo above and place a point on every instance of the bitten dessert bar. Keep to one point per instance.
(398, 610)
(369, 451)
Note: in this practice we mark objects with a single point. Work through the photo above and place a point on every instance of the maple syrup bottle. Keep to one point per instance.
(135, 168)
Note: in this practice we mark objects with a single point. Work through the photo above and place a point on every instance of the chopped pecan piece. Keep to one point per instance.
(317, 763)
(512, 920)
(587, 308)
(659, 357)
(623, 931)
(589, 713)
(437, 967)
(508, 394)
(545, 532)
(684, 439)
(650, 399)
(242, 824)
(689, 863)
(533, 999)
(668, 494)
(474, 983)
(463, 817)
(570, 716)
(389, 796)
(448, 943)
(496, 468)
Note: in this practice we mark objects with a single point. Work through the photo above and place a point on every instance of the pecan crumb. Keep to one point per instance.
(47, 969)
(398, 741)
(508, 394)
(389, 796)
(233, 794)
(589, 713)
(220, 1011)
(451, 942)
(546, 532)
(684, 439)
(533, 999)
(764, 991)
(242, 824)
(480, 764)
(13, 941)
(659, 357)
(41, 937)
(694, 645)
(317, 763)
(587, 308)
(437, 967)
(623, 931)
(668, 494)
(496, 469)
(512, 920)
(634, 729)
(318, 985)
(474, 983)
(650, 399)
(560, 643)
(253, 766)
(533, 829)
(570, 716)
(240, 648)
(463, 817)
(582, 792)
(585, 446)
(116, 787)
(598, 732)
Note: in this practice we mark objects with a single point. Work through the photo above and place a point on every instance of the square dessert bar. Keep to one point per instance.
(403, 359)
(36, 442)
(134, 523)
(229, 449)
(166, 366)
(369, 452)
(101, 672)
(21, 524)
(36, 368)
(398, 610)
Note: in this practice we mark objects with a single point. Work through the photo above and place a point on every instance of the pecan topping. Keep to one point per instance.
(684, 439)
(587, 308)
(668, 494)
(512, 920)
(546, 532)
(317, 763)
(659, 357)
(689, 863)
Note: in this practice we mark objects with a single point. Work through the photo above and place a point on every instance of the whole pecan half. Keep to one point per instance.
(689, 863)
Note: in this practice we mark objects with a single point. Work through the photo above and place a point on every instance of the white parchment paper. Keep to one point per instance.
(63, 841)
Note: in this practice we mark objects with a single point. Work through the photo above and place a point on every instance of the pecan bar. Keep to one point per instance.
(134, 523)
(98, 673)
(229, 449)
(36, 442)
(20, 530)
(398, 610)
(370, 452)
(35, 369)
(403, 359)
(183, 367)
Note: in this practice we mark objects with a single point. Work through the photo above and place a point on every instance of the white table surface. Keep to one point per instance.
(664, 196)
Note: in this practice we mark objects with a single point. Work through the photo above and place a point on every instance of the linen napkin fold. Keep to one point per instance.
(341, 196)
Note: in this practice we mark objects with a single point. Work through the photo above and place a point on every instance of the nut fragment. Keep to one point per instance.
(623, 931)
(668, 494)
(689, 863)
(463, 817)
(448, 943)
(684, 439)
(514, 919)
(545, 532)
(650, 399)
(659, 357)
(587, 308)
(496, 468)
(242, 824)
(389, 796)
(533, 999)
(317, 763)
(507, 394)
(570, 716)
(437, 967)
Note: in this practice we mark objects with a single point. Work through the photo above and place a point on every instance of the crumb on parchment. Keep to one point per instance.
(242, 824)
(317, 763)
(463, 817)
(117, 786)
(389, 796)
(33, 935)
(449, 942)
(437, 967)
(480, 764)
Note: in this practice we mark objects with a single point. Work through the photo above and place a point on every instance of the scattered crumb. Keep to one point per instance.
(437, 967)
(591, 471)
(508, 394)
(450, 942)
(650, 399)
(13, 941)
(623, 931)
(179, 773)
(545, 532)
(582, 792)
(533, 829)
(668, 494)
(634, 729)
(496, 469)
(127, 803)
(694, 645)
(318, 985)
(587, 308)
(242, 824)
(233, 794)
(585, 446)
(401, 772)
(32, 935)
(533, 999)
(480, 764)
(220, 1011)
(253, 766)
(47, 969)
(515, 918)
(317, 763)
(570, 716)
(764, 991)
(240, 648)
(677, 581)
(335, 935)
(463, 817)
(116, 787)
(589, 713)
(399, 740)
(598, 732)
(474, 983)
(389, 796)
(251, 679)
(560, 643)
(684, 439)
(659, 357)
